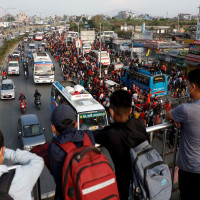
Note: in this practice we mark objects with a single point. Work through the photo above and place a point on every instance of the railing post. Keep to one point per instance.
(164, 144)
(37, 191)
(151, 138)
(175, 152)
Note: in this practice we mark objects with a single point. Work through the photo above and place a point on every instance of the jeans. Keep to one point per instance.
(189, 185)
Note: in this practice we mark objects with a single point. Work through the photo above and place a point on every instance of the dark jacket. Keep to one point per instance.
(57, 155)
(118, 138)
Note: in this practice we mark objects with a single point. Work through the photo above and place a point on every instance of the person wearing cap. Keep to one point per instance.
(64, 128)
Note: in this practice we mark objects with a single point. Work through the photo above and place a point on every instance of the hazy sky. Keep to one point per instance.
(77, 7)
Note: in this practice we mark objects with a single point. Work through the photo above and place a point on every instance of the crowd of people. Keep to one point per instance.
(122, 134)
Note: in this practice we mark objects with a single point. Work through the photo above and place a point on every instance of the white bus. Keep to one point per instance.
(94, 55)
(43, 69)
(39, 36)
(90, 114)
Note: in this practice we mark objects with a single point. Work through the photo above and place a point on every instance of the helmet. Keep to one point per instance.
(36, 91)
(21, 94)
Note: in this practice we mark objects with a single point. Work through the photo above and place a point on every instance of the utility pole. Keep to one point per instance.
(78, 39)
(100, 51)
(178, 22)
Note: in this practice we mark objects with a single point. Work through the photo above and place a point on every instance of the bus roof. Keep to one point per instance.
(144, 71)
(81, 102)
(39, 57)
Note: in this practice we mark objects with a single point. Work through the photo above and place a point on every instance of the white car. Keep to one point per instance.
(25, 39)
(7, 89)
(21, 33)
(12, 37)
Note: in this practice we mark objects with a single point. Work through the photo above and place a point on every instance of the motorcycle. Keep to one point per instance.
(25, 74)
(38, 102)
(4, 77)
(22, 106)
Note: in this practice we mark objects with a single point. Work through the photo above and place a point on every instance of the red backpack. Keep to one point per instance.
(87, 174)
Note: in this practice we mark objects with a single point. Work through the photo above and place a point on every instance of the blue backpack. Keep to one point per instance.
(151, 176)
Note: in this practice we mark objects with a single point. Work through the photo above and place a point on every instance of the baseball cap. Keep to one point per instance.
(61, 113)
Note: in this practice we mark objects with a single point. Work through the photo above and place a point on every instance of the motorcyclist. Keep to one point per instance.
(37, 94)
(4, 73)
(22, 97)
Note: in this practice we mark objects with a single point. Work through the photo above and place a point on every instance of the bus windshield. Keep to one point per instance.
(92, 121)
(42, 70)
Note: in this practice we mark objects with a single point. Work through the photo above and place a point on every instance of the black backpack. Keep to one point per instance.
(5, 182)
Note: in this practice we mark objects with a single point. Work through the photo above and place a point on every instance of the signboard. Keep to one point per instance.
(197, 42)
(124, 47)
(88, 35)
(188, 41)
(90, 115)
(148, 35)
(138, 44)
(194, 49)
(151, 44)
(139, 50)
(78, 43)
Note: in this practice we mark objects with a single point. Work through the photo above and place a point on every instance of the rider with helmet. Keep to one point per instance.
(37, 94)
(22, 97)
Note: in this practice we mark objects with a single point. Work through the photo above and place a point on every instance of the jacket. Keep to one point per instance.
(26, 175)
(118, 138)
(57, 155)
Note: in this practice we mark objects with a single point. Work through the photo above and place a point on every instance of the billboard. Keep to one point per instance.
(88, 35)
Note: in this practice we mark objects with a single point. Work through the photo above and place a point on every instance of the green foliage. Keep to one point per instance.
(7, 46)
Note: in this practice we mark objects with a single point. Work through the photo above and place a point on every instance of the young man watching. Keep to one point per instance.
(187, 117)
(64, 127)
(120, 136)
(25, 176)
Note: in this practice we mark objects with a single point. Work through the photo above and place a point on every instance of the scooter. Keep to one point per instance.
(38, 102)
(22, 106)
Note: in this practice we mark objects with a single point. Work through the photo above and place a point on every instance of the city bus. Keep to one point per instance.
(94, 55)
(39, 36)
(90, 114)
(43, 69)
(142, 78)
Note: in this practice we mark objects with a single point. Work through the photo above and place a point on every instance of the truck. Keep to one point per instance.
(13, 66)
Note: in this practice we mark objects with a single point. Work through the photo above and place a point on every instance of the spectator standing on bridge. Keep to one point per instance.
(187, 117)
(25, 176)
(120, 136)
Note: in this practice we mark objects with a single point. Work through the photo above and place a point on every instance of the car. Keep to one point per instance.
(30, 132)
(16, 53)
(7, 89)
(25, 39)
(21, 33)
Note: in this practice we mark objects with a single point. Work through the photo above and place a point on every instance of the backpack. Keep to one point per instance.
(5, 182)
(87, 173)
(151, 176)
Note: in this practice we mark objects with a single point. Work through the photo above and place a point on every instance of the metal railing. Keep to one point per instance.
(150, 130)
(165, 126)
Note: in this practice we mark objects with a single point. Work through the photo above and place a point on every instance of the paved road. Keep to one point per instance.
(10, 112)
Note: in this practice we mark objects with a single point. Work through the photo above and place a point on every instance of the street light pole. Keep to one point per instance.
(78, 39)
(100, 51)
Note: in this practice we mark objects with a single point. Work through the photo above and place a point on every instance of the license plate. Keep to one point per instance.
(7, 96)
